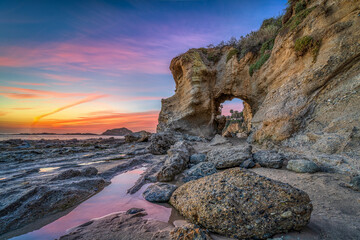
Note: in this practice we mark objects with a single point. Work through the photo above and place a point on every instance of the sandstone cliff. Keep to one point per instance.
(303, 96)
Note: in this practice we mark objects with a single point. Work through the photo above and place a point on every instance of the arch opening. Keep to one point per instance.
(233, 116)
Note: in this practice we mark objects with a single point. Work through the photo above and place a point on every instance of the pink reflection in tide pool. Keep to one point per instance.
(110, 200)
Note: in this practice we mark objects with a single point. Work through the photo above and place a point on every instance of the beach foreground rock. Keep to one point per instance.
(121, 226)
(241, 204)
(229, 156)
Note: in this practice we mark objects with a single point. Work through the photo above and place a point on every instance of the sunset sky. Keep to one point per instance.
(88, 66)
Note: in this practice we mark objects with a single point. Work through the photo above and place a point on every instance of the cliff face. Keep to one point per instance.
(311, 96)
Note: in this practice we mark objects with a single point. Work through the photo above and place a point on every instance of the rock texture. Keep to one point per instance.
(199, 170)
(142, 136)
(289, 95)
(159, 192)
(241, 204)
(189, 232)
(117, 132)
(302, 166)
(227, 157)
(161, 142)
(269, 159)
(176, 162)
(121, 226)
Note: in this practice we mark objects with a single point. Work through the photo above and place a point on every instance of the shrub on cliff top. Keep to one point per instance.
(233, 52)
(257, 65)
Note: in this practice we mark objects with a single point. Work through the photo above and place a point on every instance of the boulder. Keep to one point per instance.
(247, 164)
(269, 159)
(159, 192)
(197, 158)
(70, 173)
(89, 171)
(199, 170)
(176, 162)
(230, 156)
(302, 166)
(161, 142)
(142, 136)
(190, 232)
(241, 204)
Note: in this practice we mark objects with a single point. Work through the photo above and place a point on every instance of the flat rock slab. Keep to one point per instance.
(121, 226)
(199, 170)
(159, 192)
(229, 156)
(241, 204)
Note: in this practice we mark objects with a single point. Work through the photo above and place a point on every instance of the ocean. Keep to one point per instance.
(4, 137)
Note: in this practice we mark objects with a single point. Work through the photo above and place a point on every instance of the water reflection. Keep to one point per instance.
(112, 199)
(48, 169)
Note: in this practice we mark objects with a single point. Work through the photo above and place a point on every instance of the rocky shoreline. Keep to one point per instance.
(56, 175)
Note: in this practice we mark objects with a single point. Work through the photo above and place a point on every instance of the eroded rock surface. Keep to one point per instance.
(142, 136)
(176, 162)
(291, 96)
(302, 166)
(269, 159)
(241, 204)
(121, 226)
(189, 231)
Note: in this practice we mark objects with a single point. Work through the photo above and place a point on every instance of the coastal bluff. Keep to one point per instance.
(301, 95)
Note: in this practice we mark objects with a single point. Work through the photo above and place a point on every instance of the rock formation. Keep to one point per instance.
(117, 132)
(311, 97)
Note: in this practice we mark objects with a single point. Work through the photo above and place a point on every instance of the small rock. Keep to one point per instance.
(355, 183)
(189, 232)
(142, 136)
(70, 173)
(89, 171)
(199, 170)
(302, 166)
(134, 210)
(197, 158)
(229, 156)
(247, 164)
(159, 192)
(269, 159)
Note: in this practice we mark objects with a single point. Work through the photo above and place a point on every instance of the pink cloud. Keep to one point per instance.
(85, 100)
(29, 84)
(64, 78)
(33, 93)
(86, 56)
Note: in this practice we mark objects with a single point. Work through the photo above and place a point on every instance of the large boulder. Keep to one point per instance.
(177, 161)
(142, 136)
(197, 158)
(302, 166)
(241, 204)
(229, 156)
(161, 142)
(199, 170)
(159, 192)
(269, 159)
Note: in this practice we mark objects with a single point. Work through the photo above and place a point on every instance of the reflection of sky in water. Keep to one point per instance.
(48, 169)
(112, 199)
(89, 163)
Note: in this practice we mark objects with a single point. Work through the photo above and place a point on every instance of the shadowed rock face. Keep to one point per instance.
(289, 95)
